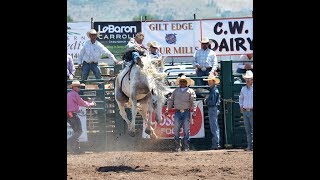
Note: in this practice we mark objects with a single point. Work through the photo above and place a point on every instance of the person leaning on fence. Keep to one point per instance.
(183, 99)
(134, 50)
(90, 54)
(213, 102)
(246, 107)
(244, 66)
(205, 61)
(74, 101)
(70, 67)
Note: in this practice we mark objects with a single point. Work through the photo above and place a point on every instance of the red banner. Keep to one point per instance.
(164, 129)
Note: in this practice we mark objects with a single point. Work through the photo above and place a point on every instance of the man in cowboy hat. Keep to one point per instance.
(246, 107)
(156, 55)
(90, 54)
(183, 99)
(213, 101)
(134, 50)
(205, 61)
(74, 101)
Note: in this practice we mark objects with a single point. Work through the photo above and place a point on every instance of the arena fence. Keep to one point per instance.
(107, 131)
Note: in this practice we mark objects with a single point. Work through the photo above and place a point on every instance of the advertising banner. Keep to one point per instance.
(115, 35)
(76, 36)
(229, 36)
(177, 38)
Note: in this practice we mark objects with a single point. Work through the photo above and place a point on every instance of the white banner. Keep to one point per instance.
(83, 118)
(229, 36)
(164, 130)
(76, 36)
(177, 38)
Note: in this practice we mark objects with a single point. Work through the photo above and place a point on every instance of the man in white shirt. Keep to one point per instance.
(90, 54)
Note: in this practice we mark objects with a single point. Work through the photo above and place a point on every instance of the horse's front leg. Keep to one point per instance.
(146, 114)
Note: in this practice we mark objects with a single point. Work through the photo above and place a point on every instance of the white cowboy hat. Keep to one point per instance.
(184, 77)
(76, 83)
(92, 31)
(248, 75)
(212, 77)
(204, 40)
(153, 44)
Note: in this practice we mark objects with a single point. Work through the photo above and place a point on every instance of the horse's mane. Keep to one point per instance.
(156, 80)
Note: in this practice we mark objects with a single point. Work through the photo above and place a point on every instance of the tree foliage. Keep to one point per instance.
(69, 19)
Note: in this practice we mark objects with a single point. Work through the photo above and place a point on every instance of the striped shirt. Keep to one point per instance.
(246, 97)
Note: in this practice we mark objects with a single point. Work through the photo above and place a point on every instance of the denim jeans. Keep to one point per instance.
(94, 67)
(248, 125)
(214, 126)
(182, 119)
(201, 73)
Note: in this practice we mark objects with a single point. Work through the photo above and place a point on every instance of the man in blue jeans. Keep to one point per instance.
(246, 107)
(212, 102)
(183, 98)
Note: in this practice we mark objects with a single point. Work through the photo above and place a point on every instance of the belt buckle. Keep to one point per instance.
(181, 110)
(203, 69)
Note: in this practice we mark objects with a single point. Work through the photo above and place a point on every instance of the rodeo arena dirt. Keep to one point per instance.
(209, 164)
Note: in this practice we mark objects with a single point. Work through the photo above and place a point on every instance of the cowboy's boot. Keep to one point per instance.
(178, 145)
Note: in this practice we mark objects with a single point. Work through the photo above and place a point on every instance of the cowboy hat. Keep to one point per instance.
(76, 83)
(212, 77)
(248, 75)
(204, 40)
(153, 44)
(92, 31)
(184, 77)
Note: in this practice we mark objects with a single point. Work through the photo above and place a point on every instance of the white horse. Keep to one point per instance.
(144, 90)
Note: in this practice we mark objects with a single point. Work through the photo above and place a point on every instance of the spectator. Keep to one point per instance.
(74, 101)
(246, 107)
(213, 102)
(134, 50)
(183, 99)
(244, 66)
(70, 67)
(90, 54)
(205, 61)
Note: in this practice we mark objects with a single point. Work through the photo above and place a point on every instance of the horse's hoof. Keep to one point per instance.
(131, 133)
(148, 131)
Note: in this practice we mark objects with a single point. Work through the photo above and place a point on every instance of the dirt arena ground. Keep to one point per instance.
(224, 164)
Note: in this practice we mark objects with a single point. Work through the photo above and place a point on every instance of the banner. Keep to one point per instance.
(76, 36)
(177, 38)
(164, 130)
(229, 36)
(115, 35)
(83, 118)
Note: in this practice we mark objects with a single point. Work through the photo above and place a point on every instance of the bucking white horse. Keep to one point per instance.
(144, 90)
